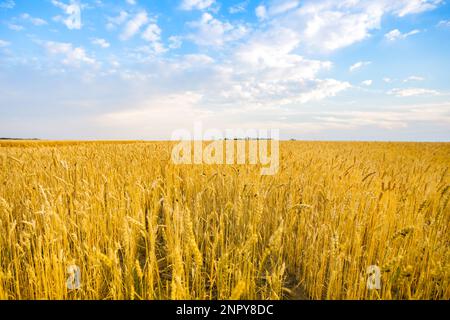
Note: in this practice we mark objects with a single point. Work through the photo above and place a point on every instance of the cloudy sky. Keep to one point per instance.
(140, 69)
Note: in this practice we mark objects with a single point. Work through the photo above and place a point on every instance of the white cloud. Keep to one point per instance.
(152, 33)
(113, 22)
(15, 27)
(359, 65)
(330, 25)
(158, 47)
(387, 79)
(349, 29)
(239, 7)
(444, 23)
(145, 54)
(72, 11)
(175, 42)
(410, 92)
(8, 4)
(271, 48)
(4, 43)
(264, 71)
(35, 21)
(324, 89)
(414, 78)
(100, 42)
(213, 32)
(196, 4)
(131, 2)
(367, 82)
(196, 60)
(405, 7)
(151, 115)
(134, 25)
(275, 7)
(261, 12)
(73, 56)
(391, 118)
(165, 113)
(282, 6)
(261, 72)
(396, 34)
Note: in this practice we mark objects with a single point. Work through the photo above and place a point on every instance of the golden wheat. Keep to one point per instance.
(140, 227)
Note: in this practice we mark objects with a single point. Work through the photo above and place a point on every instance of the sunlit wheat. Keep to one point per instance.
(140, 227)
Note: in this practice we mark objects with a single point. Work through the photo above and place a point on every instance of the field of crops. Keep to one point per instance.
(140, 227)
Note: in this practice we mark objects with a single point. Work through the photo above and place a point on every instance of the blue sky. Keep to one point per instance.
(315, 69)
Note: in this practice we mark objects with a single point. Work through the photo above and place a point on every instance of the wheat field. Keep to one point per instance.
(140, 227)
